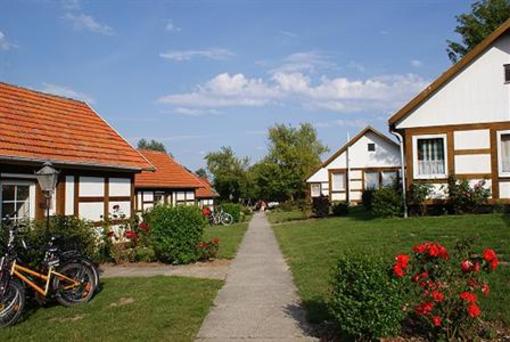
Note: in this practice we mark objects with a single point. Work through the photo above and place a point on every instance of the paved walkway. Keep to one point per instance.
(258, 301)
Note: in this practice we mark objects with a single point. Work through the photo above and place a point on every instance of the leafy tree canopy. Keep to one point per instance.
(151, 145)
(202, 173)
(484, 18)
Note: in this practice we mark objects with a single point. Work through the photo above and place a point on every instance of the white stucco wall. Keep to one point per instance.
(472, 139)
(91, 186)
(120, 186)
(477, 94)
(69, 205)
(473, 163)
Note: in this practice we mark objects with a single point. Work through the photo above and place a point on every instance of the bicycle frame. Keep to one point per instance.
(17, 270)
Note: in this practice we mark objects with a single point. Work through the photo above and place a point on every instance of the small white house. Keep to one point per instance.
(367, 161)
(460, 124)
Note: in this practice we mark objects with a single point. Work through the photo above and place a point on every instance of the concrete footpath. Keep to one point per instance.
(258, 301)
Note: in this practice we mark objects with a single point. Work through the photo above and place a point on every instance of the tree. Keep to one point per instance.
(485, 17)
(293, 154)
(202, 173)
(151, 145)
(229, 172)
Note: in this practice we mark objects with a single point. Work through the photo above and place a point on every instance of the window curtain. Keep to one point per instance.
(431, 156)
(388, 178)
(505, 152)
(371, 180)
(338, 180)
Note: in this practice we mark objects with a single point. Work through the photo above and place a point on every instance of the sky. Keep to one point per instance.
(198, 75)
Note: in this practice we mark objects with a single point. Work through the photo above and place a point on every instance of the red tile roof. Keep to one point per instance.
(169, 173)
(206, 191)
(36, 127)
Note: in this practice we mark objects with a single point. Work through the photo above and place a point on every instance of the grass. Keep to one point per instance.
(127, 309)
(279, 216)
(312, 247)
(230, 238)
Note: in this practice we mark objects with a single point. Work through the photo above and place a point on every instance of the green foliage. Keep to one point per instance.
(320, 206)
(367, 198)
(175, 233)
(366, 301)
(466, 199)
(485, 17)
(229, 172)
(386, 202)
(340, 208)
(233, 209)
(151, 145)
(208, 250)
(417, 195)
(202, 173)
(145, 254)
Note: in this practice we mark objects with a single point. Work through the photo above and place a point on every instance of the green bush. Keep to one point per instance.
(366, 301)
(466, 199)
(367, 197)
(233, 209)
(175, 233)
(417, 195)
(386, 202)
(145, 254)
(320, 206)
(340, 208)
(71, 233)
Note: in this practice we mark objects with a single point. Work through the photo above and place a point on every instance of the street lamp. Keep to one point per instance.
(47, 179)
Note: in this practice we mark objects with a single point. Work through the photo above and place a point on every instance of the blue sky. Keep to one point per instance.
(198, 75)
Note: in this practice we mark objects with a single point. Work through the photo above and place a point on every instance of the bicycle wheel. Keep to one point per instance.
(226, 219)
(12, 304)
(66, 291)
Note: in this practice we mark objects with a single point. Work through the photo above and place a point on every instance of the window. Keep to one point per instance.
(388, 177)
(159, 197)
(430, 154)
(507, 73)
(338, 181)
(315, 190)
(371, 147)
(504, 153)
(17, 200)
(371, 180)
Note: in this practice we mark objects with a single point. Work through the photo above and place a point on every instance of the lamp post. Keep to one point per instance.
(47, 179)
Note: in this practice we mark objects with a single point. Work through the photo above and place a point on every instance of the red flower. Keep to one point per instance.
(398, 271)
(438, 296)
(110, 234)
(144, 226)
(424, 308)
(432, 249)
(476, 267)
(436, 320)
(215, 241)
(494, 264)
(473, 310)
(485, 289)
(402, 260)
(489, 255)
(466, 265)
(130, 234)
(472, 283)
(421, 248)
(468, 297)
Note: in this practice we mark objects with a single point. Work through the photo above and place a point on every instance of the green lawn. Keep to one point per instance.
(127, 309)
(230, 238)
(278, 216)
(312, 247)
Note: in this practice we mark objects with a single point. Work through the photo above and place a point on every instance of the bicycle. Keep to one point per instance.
(67, 279)
(218, 217)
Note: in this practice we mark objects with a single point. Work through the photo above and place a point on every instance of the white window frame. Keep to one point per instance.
(31, 194)
(501, 173)
(415, 156)
(333, 183)
(311, 189)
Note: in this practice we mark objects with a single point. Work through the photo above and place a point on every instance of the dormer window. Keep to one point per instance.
(507, 73)
(371, 147)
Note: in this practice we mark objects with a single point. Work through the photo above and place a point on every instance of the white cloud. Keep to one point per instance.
(66, 92)
(82, 21)
(342, 95)
(288, 34)
(170, 26)
(308, 61)
(195, 111)
(70, 4)
(416, 63)
(342, 123)
(186, 55)
(4, 43)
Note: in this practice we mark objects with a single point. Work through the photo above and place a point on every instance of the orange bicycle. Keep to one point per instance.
(70, 282)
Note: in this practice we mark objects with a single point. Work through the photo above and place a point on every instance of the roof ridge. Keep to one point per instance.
(31, 90)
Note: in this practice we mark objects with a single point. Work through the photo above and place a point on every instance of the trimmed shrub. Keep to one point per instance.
(386, 202)
(145, 254)
(367, 197)
(175, 233)
(366, 301)
(417, 195)
(466, 199)
(233, 209)
(320, 206)
(208, 250)
(340, 208)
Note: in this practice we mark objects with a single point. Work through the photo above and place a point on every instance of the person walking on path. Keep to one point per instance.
(259, 299)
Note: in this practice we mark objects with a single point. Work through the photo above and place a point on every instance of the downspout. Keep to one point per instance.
(402, 169)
